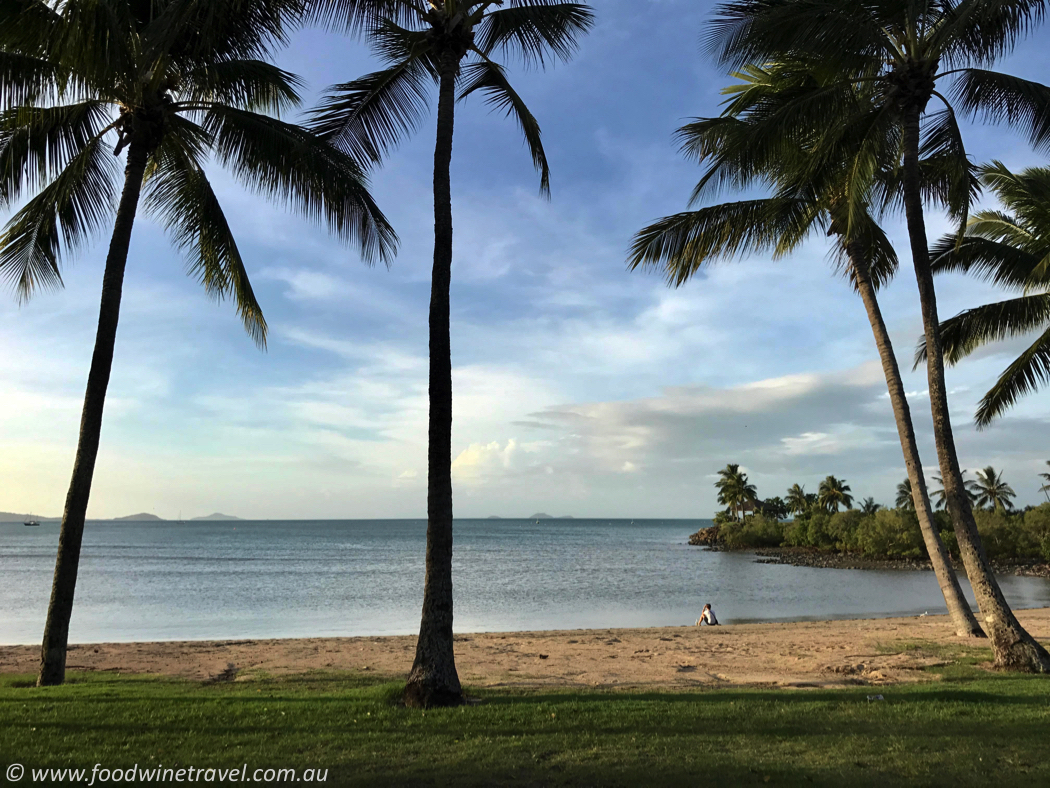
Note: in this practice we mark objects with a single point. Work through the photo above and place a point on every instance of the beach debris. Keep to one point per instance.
(544, 656)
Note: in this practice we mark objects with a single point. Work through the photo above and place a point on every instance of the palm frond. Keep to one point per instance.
(491, 80)
(62, 217)
(993, 261)
(982, 31)
(758, 31)
(27, 26)
(355, 17)
(536, 30)
(36, 143)
(972, 328)
(23, 79)
(682, 244)
(318, 181)
(1029, 372)
(254, 85)
(181, 198)
(370, 116)
(1001, 98)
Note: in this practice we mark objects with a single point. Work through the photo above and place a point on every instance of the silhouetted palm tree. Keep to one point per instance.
(450, 43)
(1045, 489)
(833, 493)
(734, 489)
(968, 486)
(904, 499)
(746, 146)
(869, 507)
(992, 492)
(175, 84)
(901, 52)
(1013, 251)
(796, 499)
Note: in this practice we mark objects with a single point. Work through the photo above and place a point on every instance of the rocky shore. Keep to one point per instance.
(804, 556)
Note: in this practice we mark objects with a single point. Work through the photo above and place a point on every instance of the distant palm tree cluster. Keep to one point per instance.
(740, 496)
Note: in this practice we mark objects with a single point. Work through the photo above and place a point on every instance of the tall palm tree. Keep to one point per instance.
(906, 53)
(869, 507)
(739, 149)
(1045, 489)
(833, 493)
(905, 499)
(451, 43)
(173, 83)
(796, 499)
(734, 489)
(1013, 251)
(939, 496)
(992, 492)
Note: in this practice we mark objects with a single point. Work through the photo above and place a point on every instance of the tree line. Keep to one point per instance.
(829, 114)
(828, 520)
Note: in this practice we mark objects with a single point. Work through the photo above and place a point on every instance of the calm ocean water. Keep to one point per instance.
(163, 581)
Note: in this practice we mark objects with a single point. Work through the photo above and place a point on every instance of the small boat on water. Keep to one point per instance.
(31, 522)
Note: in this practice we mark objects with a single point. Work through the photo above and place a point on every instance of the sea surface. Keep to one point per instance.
(225, 580)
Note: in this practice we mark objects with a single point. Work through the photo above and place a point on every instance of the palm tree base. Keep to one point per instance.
(420, 694)
(52, 670)
(1023, 656)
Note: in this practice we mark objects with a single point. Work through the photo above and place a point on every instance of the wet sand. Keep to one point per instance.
(803, 654)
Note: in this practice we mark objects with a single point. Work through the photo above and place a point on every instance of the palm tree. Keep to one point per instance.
(869, 507)
(834, 492)
(1045, 489)
(992, 491)
(1013, 252)
(796, 499)
(901, 52)
(173, 83)
(452, 43)
(968, 486)
(746, 144)
(905, 499)
(734, 489)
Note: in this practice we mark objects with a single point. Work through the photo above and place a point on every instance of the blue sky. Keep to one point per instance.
(580, 388)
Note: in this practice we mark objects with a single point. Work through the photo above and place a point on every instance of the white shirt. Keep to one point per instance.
(708, 616)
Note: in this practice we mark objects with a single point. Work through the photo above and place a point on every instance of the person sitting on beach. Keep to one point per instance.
(707, 617)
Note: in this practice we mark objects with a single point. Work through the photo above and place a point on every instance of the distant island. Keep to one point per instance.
(140, 517)
(216, 516)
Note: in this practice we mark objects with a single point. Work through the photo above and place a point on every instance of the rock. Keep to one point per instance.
(706, 537)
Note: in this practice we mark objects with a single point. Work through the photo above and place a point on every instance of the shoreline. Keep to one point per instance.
(847, 652)
(807, 556)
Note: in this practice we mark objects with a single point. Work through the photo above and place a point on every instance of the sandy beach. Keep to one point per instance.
(802, 654)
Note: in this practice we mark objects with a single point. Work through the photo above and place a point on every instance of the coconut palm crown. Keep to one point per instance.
(991, 491)
(451, 44)
(833, 493)
(173, 85)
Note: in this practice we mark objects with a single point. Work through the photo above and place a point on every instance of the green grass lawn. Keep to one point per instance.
(971, 728)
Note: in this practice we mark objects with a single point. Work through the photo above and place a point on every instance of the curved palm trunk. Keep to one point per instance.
(60, 609)
(958, 609)
(1014, 648)
(433, 680)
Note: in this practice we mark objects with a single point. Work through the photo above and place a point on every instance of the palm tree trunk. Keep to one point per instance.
(958, 608)
(433, 680)
(60, 609)
(1014, 648)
